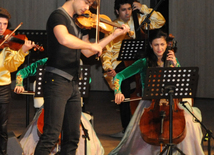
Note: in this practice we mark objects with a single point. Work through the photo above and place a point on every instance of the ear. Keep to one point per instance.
(117, 12)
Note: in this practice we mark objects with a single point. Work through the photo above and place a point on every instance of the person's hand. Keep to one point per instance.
(119, 98)
(163, 102)
(96, 49)
(111, 72)
(171, 57)
(27, 45)
(19, 89)
(136, 6)
(121, 31)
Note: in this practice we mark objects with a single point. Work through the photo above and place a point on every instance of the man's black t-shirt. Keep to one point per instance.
(59, 56)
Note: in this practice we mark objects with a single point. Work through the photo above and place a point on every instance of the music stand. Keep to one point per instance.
(131, 49)
(39, 75)
(169, 82)
(83, 81)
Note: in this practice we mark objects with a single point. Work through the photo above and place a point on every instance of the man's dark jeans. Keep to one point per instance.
(62, 107)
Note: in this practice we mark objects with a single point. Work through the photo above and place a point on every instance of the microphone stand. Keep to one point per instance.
(208, 132)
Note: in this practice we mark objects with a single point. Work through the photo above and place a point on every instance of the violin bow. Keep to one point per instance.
(129, 100)
(27, 92)
(97, 25)
(8, 36)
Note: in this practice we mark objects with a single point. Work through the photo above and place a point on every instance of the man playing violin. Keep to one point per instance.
(123, 11)
(62, 104)
(10, 60)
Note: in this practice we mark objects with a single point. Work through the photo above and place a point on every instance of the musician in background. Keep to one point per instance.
(132, 142)
(123, 10)
(10, 60)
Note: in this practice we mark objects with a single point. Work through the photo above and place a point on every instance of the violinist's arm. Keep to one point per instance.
(71, 41)
(117, 32)
(88, 52)
(109, 38)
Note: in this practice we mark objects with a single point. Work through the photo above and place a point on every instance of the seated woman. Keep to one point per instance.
(132, 142)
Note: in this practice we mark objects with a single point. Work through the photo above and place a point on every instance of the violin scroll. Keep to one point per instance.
(172, 44)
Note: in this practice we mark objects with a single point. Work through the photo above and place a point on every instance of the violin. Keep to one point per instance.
(15, 42)
(89, 20)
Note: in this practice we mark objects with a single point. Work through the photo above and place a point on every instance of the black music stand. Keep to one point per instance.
(131, 50)
(169, 82)
(39, 75)
(83, 81)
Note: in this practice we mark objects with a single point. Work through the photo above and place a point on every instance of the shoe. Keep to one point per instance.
(117, 135)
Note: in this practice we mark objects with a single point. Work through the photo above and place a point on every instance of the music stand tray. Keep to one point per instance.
(131, 49)
(169, 82)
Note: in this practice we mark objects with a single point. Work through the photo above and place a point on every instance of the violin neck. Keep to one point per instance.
(17, 40)
(110, 23)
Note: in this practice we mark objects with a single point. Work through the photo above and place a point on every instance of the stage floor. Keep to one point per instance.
(106, 116)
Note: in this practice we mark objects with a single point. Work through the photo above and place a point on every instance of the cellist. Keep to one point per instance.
(123, 10)
(132, 142)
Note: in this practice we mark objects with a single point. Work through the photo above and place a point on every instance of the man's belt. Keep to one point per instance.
(59, 72)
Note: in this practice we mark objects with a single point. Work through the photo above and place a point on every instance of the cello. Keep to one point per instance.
(154, 123)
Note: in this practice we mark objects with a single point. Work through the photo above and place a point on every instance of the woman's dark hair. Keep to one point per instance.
(5, 14)
(118, 3)
(152, 58)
